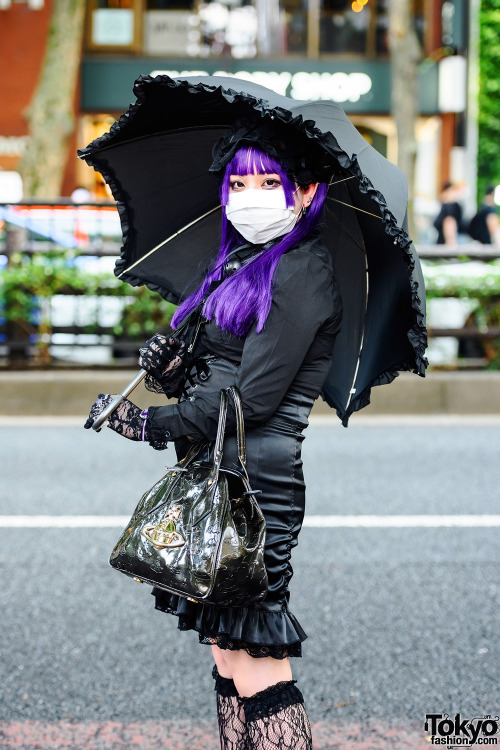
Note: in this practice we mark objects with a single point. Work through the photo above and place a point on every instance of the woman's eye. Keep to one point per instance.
(272, 183)
(236, 185)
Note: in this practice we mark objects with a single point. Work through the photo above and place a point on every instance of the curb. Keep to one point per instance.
(71, 393)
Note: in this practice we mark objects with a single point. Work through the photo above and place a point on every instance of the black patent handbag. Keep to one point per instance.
(199, 531)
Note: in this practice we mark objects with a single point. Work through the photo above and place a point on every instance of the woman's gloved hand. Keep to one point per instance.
(127, 419)
(97, 409)
(162, 356)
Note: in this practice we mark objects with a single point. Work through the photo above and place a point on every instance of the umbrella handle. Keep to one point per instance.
(118, 400)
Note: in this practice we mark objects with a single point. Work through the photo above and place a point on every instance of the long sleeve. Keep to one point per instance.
(293, 351)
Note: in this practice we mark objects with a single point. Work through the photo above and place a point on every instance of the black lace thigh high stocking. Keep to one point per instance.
(231, 715)
(277, 720)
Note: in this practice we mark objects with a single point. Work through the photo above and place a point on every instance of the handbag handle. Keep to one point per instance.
(240, 423)
(234, 393)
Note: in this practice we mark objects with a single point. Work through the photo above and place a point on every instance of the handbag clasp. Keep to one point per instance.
(164, 534)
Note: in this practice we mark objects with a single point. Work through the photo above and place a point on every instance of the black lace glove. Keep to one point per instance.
(97, 409)
(126, 420)
(162, 358)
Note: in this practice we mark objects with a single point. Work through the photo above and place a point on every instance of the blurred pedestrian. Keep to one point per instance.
(449, 220)
(485, 226)
(271, 312)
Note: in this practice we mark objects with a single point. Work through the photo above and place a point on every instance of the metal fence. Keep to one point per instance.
(41, 226)
(72, 327)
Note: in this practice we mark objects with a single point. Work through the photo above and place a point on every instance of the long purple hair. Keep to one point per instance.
(245, 297)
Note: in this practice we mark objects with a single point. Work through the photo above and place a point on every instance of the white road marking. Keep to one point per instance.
(400, 522)
(62, 522)
(316, 522)
(407, 420)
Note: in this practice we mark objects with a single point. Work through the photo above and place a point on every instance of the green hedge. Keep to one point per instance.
(444, 279)
(29, 280)
(26, 284)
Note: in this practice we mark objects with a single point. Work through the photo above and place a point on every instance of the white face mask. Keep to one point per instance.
(260, 215)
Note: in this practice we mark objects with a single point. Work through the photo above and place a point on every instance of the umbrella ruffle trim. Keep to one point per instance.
(93, 160)
(417, 335)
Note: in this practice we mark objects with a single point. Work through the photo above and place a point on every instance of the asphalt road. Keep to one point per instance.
(402, 622)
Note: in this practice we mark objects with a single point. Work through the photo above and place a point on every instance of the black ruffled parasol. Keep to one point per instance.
(156, 160)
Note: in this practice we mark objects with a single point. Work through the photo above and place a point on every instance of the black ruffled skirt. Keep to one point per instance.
(274, 467)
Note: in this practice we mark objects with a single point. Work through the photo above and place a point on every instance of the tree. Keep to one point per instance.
(488, 161)
(405, 56)
(50, 114)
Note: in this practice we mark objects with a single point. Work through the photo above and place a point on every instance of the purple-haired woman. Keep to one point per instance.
(272, 312)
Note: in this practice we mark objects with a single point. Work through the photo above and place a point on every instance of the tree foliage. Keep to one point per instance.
(488, 162)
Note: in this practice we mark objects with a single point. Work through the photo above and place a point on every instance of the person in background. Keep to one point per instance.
(449, 220)
(485, 226)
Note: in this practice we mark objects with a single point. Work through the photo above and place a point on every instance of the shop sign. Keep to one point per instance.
(356, 86)
(303, 85)
(113, 27)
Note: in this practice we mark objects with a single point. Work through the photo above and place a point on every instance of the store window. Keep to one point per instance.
(244, 29)
(114, 25)
(354, 27)
(225, 28)
(91, 127)
(361, 27)
(295, 16)
(211, 28)
(374, 137)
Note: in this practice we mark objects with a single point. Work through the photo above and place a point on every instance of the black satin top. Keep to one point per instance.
(291, 354)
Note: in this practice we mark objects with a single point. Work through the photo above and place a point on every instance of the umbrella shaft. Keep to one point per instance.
(118, 400)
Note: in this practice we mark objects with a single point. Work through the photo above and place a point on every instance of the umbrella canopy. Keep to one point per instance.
(156, 160)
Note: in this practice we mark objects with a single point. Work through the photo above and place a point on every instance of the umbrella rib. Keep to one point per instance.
(337, 182)
(352, 390)
(349, 205)
(172, 236)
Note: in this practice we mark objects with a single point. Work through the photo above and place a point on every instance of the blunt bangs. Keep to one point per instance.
(249, 160)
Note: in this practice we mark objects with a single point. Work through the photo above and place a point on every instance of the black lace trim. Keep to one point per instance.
(156, 436)
(224, 685)
(211, 631)
(271, 700)
(256, 651)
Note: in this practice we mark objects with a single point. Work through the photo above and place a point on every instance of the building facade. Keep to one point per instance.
(307, 49)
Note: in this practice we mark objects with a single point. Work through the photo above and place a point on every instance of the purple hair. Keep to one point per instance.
(245, 297)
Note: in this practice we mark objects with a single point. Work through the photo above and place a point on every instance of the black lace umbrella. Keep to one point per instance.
(156, 160)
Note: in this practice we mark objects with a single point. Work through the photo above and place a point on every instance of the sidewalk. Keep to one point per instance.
(200, 735)
(71, 393)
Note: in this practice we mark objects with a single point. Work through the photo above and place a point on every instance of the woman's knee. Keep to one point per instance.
(221, 662)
